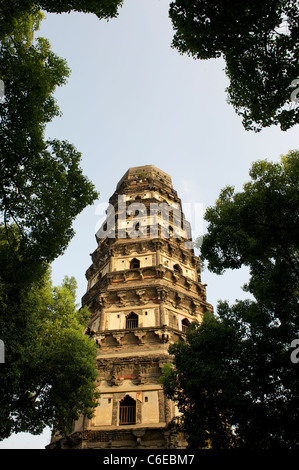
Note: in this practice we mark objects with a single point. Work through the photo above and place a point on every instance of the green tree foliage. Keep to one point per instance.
(42, 188)
(11, 10)
(200, 385)
(259, 43)
(233, 379)
(258, 228)
(49, 374)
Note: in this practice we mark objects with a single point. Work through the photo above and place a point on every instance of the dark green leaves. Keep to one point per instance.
(12, 10)
(259, 42)
(42, 188)
(49, 376)
(260, 223)
(101, 8)
(233, 380)
(200, 385)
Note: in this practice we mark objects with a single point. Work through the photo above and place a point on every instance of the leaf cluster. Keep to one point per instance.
(258, 228)
(12, 10)
(42, 188)
(49, 374)
(200, 385)
(259, 43)
(233, 380)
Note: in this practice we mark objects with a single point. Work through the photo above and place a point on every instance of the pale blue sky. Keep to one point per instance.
(132, 100)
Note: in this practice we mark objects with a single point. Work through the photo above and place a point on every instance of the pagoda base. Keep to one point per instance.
(129, 438)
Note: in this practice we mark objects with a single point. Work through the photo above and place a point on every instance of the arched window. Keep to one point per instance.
(127, 411)
(177, 268)
(135, 263)
(185, 325)
(132, 320)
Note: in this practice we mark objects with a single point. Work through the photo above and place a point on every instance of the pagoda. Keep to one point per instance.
(144, 290)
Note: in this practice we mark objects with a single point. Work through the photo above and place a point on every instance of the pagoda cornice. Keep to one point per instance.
(141, 278)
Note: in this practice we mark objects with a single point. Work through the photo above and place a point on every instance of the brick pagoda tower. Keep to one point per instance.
(144, 290)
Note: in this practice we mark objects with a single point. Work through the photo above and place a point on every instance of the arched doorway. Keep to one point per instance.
(132, 320)
(177, 268)
(127, 411)
(185, 325)
(135, 263)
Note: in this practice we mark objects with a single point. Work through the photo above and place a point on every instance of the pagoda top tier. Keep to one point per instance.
(145, 172)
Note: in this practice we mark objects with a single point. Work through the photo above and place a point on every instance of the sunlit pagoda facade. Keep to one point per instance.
(144, 289)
